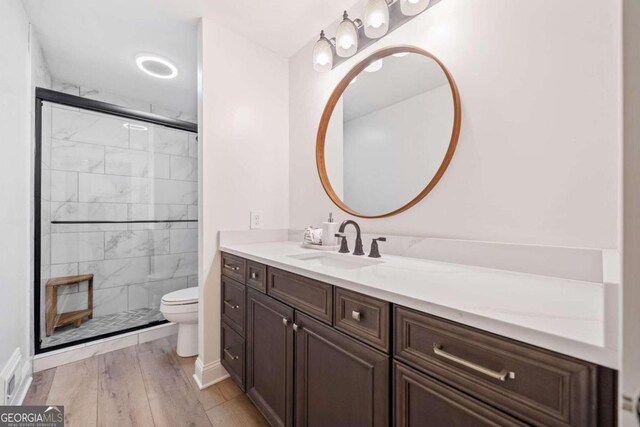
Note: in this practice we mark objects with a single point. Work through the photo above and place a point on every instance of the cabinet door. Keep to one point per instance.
(270, 357)
(339, 381)
(420, 400)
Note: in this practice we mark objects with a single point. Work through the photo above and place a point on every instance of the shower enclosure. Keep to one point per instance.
(116, 194)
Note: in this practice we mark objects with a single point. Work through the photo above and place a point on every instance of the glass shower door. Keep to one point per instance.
(118, 222)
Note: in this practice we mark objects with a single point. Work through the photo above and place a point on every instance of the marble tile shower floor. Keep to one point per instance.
(102, 325)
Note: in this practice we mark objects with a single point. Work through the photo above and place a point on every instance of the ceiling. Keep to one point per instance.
(282, 26)
(93, 43)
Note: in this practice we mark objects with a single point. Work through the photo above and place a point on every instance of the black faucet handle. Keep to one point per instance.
(344, 248)
(375, 252)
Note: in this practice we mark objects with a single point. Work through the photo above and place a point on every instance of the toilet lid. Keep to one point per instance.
(183, 296)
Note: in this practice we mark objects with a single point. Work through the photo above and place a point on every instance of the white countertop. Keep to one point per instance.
(563, 315)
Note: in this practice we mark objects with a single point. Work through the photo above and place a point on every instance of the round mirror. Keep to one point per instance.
(388, 132)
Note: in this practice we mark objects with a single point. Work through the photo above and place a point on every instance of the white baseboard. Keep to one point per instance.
(209, 374)
(63, 356)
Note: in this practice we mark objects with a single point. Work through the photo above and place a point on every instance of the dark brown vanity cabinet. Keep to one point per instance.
(420, 400)
(270, 361)
(339, 381)
(534, 385)
(311, 354)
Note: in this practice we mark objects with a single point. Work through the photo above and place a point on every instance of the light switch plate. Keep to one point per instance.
(256, 220)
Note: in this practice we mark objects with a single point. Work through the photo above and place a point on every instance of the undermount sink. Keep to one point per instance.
(334, 260)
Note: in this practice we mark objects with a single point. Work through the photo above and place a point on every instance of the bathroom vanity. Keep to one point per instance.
(334, 339)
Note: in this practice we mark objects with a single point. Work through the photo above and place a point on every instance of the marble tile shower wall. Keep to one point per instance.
(103, 169)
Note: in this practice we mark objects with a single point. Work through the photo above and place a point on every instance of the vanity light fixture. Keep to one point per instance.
(376, 18)
(156, 66)
(374, 66)
(347, 36)
(352, 35)
(323, 54)
(413, 7)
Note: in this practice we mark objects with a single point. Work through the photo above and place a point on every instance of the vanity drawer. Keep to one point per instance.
(363, 317)
(421, 400)
(309, 296)
(232, 357)
(257, 276)
(233, 304)
(535, 385)
(234, 267)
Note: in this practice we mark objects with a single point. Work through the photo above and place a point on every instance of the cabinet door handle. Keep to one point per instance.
(231, 267)
(502, 375)
(254, 275)
(285, 321)
(226, 351)
(355, 315)
(296, 328)
(228, 304)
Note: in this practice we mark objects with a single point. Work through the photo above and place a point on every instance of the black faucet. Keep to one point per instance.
(374, 252)
(358, 250)
(344, 247)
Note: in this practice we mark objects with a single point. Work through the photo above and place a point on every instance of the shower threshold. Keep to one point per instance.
(102, 325)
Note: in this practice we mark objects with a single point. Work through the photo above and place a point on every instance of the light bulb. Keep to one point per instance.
(376, 18)
(413, 7)
(346, 37)
(374, 66)
(322, 54)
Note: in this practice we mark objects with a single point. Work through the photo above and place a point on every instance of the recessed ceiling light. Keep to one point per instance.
(133, 126)
(156, 66)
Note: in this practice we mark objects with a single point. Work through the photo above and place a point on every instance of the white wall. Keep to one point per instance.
(15, 180)
(391, 154)
(244, 153)
(537, 160)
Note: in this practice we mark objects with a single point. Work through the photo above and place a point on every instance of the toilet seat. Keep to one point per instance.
(185, 296)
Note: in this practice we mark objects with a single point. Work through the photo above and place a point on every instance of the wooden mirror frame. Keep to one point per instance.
(335, 97)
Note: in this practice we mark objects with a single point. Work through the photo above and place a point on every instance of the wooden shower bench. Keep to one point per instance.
(55, 320)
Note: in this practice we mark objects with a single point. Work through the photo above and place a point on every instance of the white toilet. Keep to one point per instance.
(181, 307)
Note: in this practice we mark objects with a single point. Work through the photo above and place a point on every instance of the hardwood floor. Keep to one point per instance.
(145, 385)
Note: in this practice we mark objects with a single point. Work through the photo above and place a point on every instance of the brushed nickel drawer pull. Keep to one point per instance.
(228, 304)
(296, 328)
(285, 321)
(231, 267)
(254, 275)
(355, 315)
(502, 375)
(226, 351)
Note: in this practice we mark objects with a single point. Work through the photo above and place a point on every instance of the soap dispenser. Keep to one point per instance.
(329, 229)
